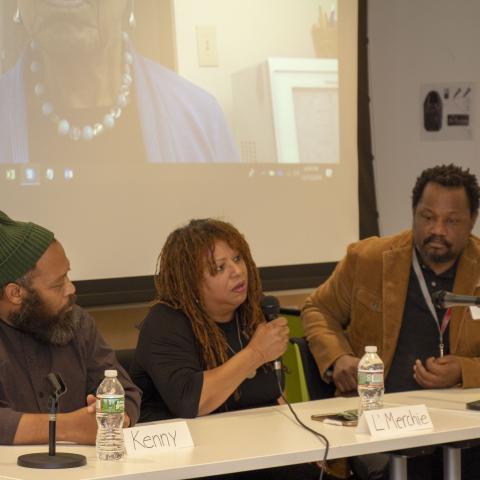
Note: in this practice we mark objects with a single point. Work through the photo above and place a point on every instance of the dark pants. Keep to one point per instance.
(426, 467)
(304, 471)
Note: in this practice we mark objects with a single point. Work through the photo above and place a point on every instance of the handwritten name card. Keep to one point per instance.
(394, 421)
(146, 439)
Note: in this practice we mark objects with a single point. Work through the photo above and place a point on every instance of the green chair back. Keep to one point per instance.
(302, 381)
(295, 384)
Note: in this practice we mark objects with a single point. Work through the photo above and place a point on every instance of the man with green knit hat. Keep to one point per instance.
(42, 330)
(21, 245)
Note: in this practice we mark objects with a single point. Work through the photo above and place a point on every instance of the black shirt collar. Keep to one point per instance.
(447, 274)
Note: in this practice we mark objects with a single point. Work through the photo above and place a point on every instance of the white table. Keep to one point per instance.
(453, 399)
(261, 438)
(449, 400)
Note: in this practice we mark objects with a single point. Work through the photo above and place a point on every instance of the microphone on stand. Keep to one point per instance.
(443, 299)
(271, 308)
(52, 459)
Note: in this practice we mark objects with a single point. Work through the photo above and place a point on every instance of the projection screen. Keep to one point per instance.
(114, 134)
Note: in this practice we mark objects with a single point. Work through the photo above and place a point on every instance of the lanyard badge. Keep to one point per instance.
(426, 295)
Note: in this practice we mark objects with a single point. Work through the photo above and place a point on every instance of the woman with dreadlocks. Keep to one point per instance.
(205, 346)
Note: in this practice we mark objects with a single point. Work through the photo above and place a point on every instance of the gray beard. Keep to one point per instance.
(34, 318)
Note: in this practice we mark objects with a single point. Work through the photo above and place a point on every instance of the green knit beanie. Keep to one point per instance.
(21, 246)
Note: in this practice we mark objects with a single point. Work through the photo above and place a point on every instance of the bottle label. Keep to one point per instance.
(110, 404)
(371, 378)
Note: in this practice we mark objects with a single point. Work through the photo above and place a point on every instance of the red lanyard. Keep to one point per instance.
(443, 327)
(426, 295)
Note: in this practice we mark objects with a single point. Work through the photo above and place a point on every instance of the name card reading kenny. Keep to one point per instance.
(148, 439)
(394, 421)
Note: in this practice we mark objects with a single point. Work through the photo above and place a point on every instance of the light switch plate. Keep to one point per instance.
(207, 46)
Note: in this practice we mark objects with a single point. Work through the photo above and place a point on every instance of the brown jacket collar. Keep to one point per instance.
(397, 262)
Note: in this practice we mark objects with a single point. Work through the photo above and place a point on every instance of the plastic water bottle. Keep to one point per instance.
(370, 380)
(110, 408)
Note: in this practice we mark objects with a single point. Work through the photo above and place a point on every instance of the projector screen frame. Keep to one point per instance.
(130, 290)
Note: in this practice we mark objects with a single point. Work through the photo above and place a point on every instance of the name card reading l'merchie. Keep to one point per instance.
(394, 421)
(153, 438)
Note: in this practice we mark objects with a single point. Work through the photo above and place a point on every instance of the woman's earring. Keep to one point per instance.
(132, 23)
(17, 17)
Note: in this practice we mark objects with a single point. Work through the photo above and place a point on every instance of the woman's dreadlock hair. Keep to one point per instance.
(179, 275)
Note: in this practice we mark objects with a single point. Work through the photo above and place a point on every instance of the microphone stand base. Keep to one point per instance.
(44, 460)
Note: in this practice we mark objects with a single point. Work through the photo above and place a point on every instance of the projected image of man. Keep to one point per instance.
(80, 93)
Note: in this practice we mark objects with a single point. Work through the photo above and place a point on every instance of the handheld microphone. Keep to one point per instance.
(271, 308)
(443, 299)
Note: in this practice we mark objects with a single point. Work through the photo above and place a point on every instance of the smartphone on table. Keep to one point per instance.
(347, 418)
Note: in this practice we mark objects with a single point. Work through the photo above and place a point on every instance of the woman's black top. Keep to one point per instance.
(168, 367)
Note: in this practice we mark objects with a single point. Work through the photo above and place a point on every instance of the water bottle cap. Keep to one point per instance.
(110, 373)
(371, 349)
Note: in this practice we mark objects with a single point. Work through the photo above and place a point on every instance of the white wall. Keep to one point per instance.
(248, 32)
(415, 42)
(3, 19)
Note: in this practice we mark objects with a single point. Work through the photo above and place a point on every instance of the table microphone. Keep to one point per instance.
(443, 299)
(52, 459)
(271, 308)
